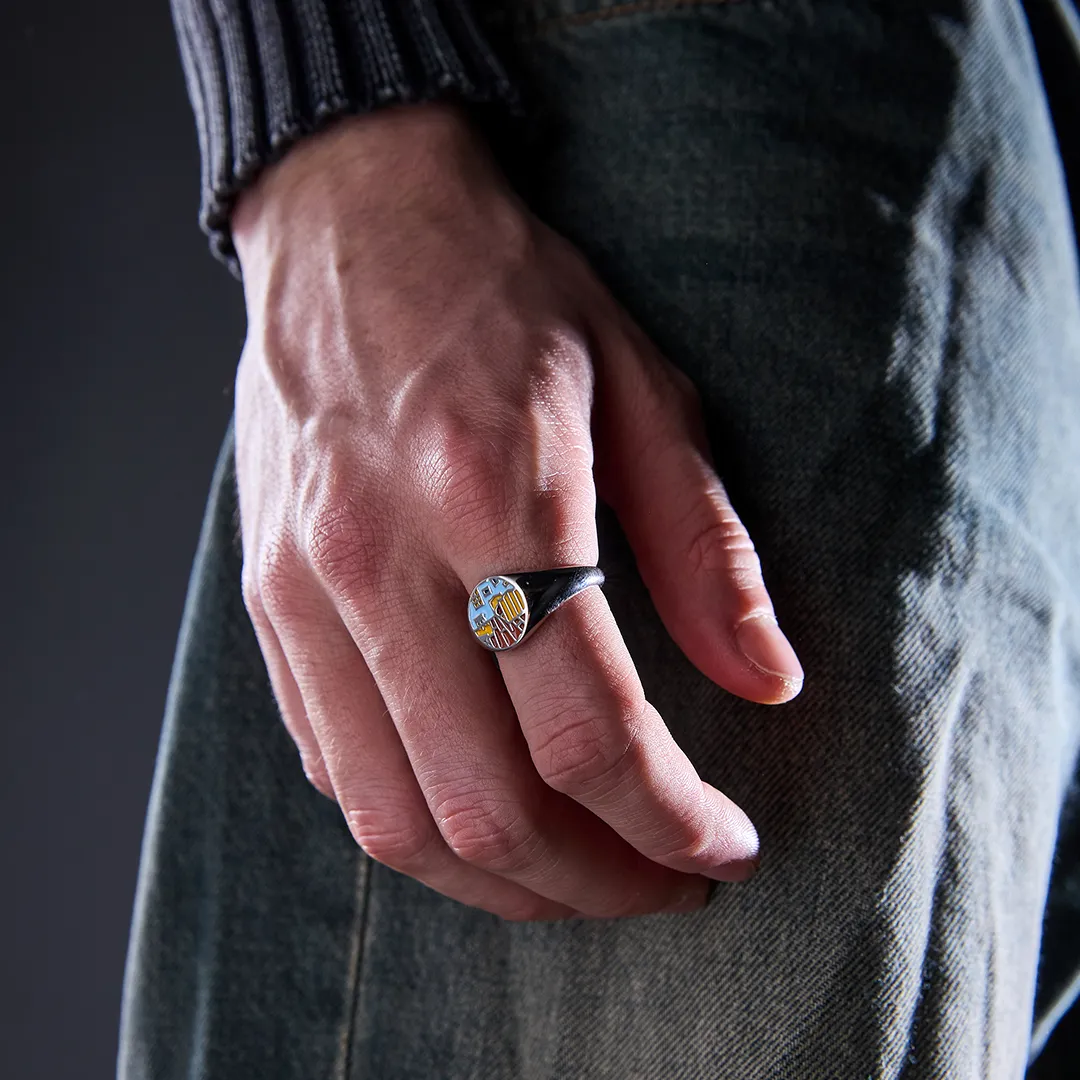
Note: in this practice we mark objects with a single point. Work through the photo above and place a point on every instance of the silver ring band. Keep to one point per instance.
(504, 609)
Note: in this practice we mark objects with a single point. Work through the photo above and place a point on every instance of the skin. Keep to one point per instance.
(435, 387)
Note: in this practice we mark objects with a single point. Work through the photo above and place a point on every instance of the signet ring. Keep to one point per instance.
(504, 609)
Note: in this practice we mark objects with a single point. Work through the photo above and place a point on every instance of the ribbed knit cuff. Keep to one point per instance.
(262, 73)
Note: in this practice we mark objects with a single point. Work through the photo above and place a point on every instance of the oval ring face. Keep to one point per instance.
(498, 613)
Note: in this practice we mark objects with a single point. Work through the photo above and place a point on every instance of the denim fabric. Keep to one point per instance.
(847, 222)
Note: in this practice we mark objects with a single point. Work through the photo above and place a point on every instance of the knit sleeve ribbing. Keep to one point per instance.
(262, 73)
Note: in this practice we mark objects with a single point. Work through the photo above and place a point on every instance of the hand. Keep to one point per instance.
(427, 375)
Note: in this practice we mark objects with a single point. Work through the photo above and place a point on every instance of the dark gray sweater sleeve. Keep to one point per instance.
(262, 73)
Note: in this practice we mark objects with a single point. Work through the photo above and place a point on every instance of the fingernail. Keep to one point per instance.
(762, 642)
(692, 900)
(737, 870)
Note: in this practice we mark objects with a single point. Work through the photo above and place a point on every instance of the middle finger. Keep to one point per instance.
(593, 736)
(461, 733)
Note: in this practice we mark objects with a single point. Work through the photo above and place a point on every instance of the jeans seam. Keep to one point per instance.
(343, 1068)
(630, 7)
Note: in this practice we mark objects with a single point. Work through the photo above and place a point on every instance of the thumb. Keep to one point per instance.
(653, 467)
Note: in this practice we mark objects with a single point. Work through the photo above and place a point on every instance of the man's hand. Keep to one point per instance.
(428, 374)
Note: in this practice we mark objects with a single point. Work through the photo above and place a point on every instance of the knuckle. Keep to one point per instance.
(399, 841)
(589, 754)
(562, 376)
(468, 488)
(526, 460)
(684, 391)
(723, 544)
(345, 546)
(487, 834)
(269, 580)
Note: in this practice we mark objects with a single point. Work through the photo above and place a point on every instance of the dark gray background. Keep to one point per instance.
(119, 337)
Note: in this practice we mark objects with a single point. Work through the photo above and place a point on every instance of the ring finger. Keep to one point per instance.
(462, 736)
(372, 779)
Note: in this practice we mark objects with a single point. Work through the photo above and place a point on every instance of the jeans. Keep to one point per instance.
(847, 222)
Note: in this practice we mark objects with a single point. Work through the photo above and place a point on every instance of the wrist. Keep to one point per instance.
(359, 170)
